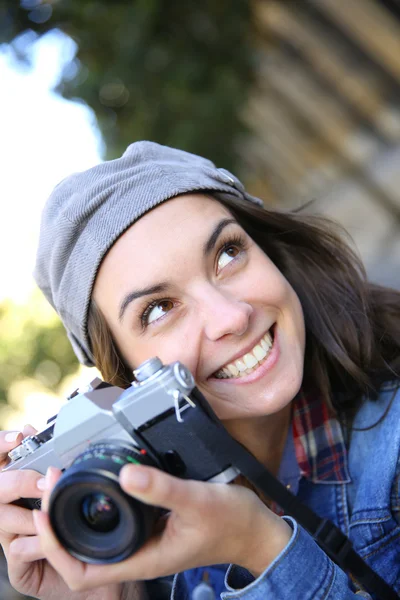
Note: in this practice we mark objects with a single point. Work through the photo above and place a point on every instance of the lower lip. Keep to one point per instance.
(259, 373)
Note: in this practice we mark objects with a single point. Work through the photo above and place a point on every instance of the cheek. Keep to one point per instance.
(274, 291)
(283, 296)
(169, 348)
(182, 345)
(270, 280)
(277, 292)
(134, 351)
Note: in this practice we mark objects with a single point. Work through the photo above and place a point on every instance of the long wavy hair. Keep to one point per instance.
(352, 325)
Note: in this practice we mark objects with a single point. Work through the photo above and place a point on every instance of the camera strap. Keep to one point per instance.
(327, 535)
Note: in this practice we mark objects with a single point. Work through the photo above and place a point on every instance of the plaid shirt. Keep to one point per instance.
(315, 447)
(318, 441)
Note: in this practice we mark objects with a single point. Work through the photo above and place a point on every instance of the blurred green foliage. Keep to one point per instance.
(33, 344)
(177, 73)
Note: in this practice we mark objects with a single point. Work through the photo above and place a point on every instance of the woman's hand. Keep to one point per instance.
(28, 570)
(208, 524)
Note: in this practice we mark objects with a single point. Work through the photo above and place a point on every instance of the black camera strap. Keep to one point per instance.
(328, 536)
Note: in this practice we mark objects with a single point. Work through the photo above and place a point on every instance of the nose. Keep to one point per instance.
(224, 314)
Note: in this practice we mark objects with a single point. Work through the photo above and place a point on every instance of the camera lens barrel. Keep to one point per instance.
(93, 518)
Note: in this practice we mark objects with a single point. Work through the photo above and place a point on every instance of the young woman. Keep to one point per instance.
(160, 253)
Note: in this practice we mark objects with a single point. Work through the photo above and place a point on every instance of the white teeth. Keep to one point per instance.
(249, 361)
(239, 364)
(266, 342)
(259, 353)
(233, 370)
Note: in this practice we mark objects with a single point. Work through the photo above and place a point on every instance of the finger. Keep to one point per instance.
(28, 430)
(8, 441)
(158, 488)
(21, 555)
(19, 484)
(52, 476)
(11, 439)
(70, 569)
(15, 520)
(25, 549)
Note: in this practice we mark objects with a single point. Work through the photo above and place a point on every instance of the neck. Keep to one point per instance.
(264, 437)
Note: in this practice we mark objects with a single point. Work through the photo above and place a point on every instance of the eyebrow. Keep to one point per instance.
(212, 240)
(154, 289)
(164, 285)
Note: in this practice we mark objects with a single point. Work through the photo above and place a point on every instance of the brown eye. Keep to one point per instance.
(227, 254)
(158, 310)
(232, 251)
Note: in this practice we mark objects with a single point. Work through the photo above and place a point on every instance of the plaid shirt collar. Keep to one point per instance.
(318, 441)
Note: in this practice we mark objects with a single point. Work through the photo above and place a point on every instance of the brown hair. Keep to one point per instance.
(352, 325)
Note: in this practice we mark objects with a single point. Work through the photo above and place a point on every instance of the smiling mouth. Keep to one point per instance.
(249, 362)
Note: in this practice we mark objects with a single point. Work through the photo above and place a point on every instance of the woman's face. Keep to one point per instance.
(187, 283)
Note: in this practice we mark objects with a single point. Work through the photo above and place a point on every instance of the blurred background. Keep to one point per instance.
(299, 98)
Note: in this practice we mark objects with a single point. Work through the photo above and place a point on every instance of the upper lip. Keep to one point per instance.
(241, 353)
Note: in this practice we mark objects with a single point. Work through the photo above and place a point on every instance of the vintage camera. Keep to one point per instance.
(161, 420)
(164, 421)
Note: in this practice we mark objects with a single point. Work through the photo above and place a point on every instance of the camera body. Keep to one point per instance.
(160, 420)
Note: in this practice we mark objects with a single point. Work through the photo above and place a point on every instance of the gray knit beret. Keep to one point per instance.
(87, 212)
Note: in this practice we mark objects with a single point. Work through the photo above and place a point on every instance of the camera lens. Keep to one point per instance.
(91, 515)
(100, 512)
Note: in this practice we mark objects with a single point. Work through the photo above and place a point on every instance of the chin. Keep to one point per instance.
(284, 393)
(271, 400)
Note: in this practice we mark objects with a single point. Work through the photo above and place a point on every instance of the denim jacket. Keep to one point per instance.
(366, 506)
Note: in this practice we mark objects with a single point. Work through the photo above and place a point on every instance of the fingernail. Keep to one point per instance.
(49, 474)
(139, 479)
(11, 436)
(41, 484)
